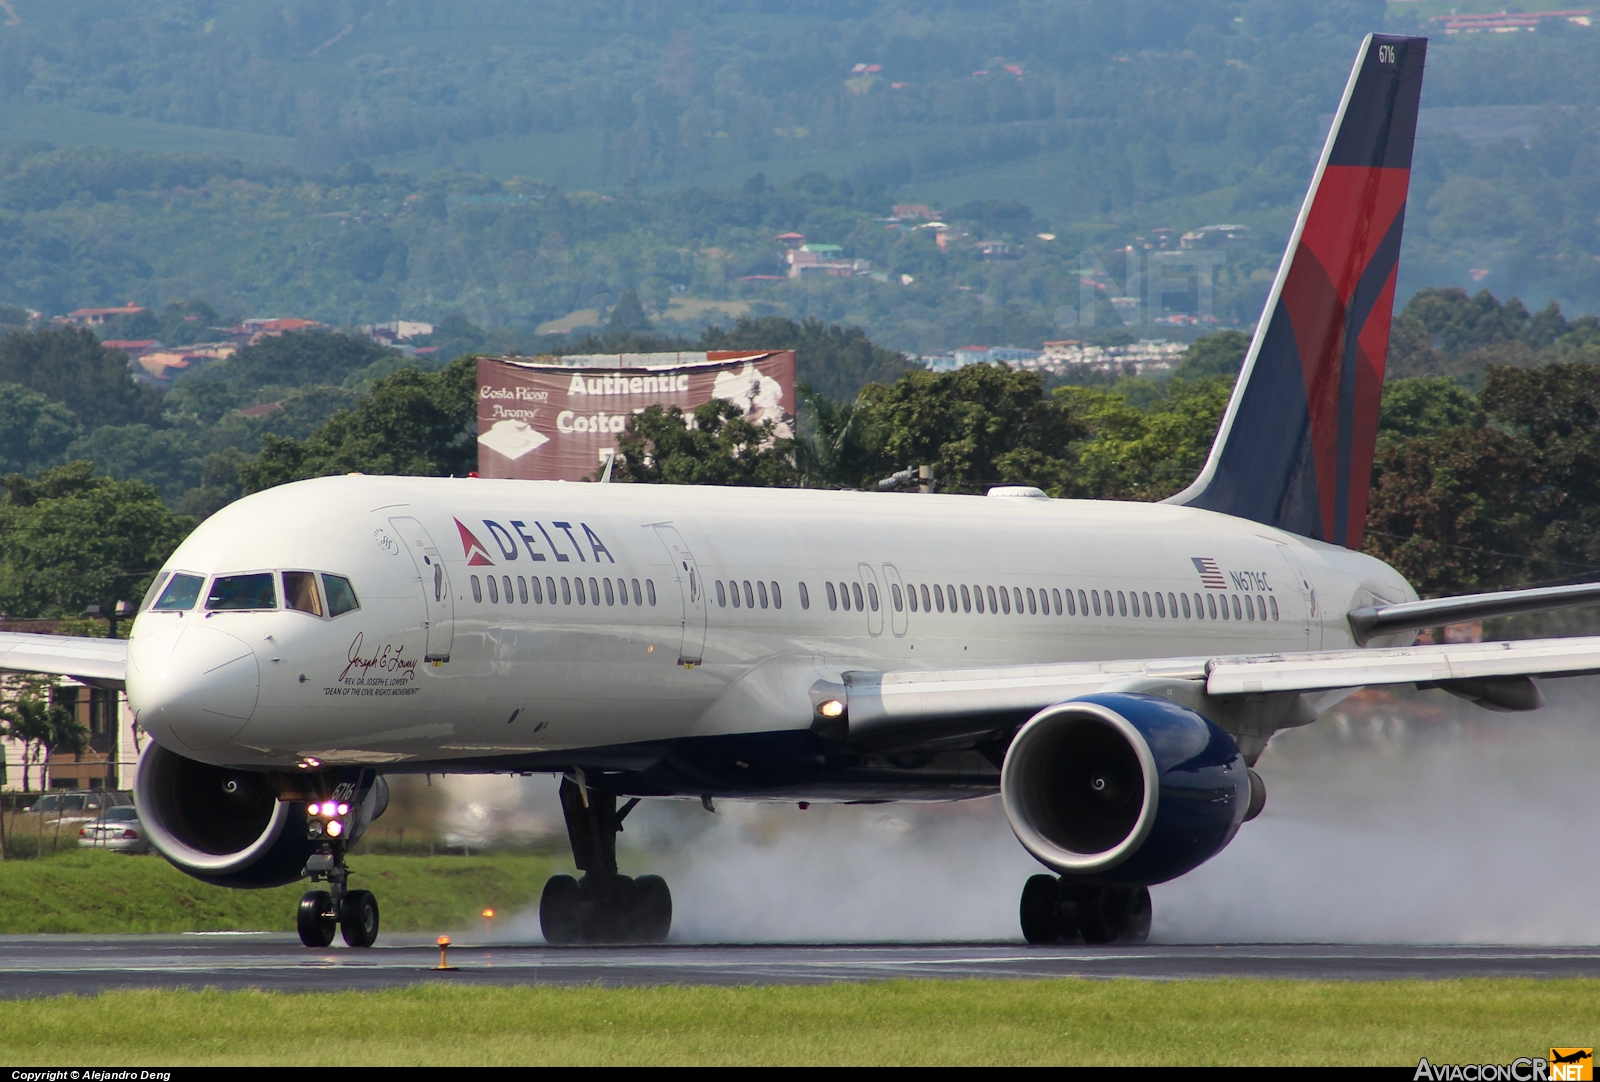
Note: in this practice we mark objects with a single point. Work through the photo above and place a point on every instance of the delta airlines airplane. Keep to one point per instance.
(1112, 670)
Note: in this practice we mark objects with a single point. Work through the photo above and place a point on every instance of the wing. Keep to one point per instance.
(923, 708)
(101, 662)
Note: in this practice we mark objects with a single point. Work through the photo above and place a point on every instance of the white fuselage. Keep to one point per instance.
(274, 687)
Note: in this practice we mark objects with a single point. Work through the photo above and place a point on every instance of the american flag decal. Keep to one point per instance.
(1210, 574)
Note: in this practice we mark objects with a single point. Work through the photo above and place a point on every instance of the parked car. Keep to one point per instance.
(78, 806)
(118, 829)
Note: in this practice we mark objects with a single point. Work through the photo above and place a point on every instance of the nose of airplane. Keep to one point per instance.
(195, 684)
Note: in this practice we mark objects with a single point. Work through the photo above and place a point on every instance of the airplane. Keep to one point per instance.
(1112, 670)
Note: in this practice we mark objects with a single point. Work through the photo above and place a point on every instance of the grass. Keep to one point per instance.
(1243, 1022)
(97, 892)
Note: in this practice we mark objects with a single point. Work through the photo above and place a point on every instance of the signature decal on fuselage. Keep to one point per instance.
(384, 671)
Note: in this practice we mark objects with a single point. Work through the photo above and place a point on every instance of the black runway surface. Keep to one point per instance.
(55, 965)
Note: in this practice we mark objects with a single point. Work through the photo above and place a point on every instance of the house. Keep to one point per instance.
(912, 210)
(791, 241)
(398, 330)
(95, 317)
(133, 347)
(1213, 236)
(107, 761)
(257, 329)
(160, 366)
(992, 250)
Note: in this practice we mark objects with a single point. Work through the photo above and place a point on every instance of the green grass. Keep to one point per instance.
(902, 1022)
(98, 892)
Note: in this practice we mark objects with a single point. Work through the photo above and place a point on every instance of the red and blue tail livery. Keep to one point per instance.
(1296, 444)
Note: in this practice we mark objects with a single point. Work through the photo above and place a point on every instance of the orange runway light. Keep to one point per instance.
(444, 947)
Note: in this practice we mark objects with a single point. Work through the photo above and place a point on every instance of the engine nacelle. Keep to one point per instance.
(1123, 789)
(226, 827)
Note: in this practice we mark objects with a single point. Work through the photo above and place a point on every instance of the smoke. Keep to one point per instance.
(1417, 819)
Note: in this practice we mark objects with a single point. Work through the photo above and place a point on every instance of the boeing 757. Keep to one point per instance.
(1112, 670)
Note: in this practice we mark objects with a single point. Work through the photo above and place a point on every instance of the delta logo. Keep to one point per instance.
(473, 549)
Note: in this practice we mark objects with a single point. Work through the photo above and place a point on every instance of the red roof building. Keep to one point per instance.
(94, 317)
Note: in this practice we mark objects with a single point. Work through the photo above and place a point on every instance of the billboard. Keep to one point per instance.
(546, 421)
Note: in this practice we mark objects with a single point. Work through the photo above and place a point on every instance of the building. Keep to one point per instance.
(1213, 236)
(95, 317)
(257, 329)
(1145, 357)
(1504, 22)
(912, 210)
(159, 367)
(109, 758)
(791, 241)
(823, 261)
(133, 347)
(398, 330)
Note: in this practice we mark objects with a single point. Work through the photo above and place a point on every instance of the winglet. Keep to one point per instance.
(1296, 444)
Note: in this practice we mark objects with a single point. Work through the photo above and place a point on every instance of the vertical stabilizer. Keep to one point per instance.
(1296, 444)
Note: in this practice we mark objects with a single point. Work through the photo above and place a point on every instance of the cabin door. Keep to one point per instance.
(433, 579)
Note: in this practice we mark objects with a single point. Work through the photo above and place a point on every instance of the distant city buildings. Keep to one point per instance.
(1146, 357)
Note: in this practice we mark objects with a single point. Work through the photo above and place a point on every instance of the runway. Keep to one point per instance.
(66, 964)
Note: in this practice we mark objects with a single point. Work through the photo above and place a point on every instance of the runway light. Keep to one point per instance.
(489, 914)
(344, 809)
(335, 829)
(833, 708)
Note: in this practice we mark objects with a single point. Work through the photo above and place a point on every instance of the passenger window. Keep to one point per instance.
(650, 589)
(1186, 613)
(1005, 601)
(777, 598)
(506, 580)
(749, 595)
(925, 606)
(722, 596)
(341, 595)
(566, 590)
(1261, 607)
(242, 592)
(938, 597)
(1147, 610)
(966, 604)
(494, 590)
(1122, 604)
(1083, 603)
(538, 591)
(1096, 595)
(1249, 607)
(1236, 607)
(994, 605)
(761, 592)
(872, 596)
(181, 593)
(833, 600)
(1274, 607)
(899, 601)
(300, 592)
(622, 591)
(805, 597)
(522, 590)
(1161, 605)
(1072, 607)
(611, 598)
(911, 597)
(733, 587)
(855, 595)
(637, 600)
(844, 596)
(594, 590)
(477, 590)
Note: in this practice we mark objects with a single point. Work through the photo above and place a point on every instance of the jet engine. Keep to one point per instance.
(228, 827)
(1123, 789)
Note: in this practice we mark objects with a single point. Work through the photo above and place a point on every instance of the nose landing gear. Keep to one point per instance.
(602, 907)
(1059, 910)
(354, 911)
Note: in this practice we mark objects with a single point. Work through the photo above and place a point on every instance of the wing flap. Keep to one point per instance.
(102, 662)
(1317, 671)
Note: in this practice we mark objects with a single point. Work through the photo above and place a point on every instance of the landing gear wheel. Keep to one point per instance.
(561, 911)
(1041, 910)
(314, 919)
(1115, 915)
(608, 906)
(652, 910)
(358, 918)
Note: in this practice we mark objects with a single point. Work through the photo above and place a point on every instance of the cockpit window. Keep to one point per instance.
(341, 595)
(180, 595)
(153, 592)
(300, 592)
(243, 592)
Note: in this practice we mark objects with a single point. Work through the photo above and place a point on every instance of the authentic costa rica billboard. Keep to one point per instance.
(539, 420)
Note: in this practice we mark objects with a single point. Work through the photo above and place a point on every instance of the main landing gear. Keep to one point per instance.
(602, 907)
(354, 911)
(1059, 910)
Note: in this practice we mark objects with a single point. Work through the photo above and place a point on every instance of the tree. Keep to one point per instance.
(34, 431)
(977, 426)
(1151, 453)
(71, 367)
(302, 358)
(1424, 406)
(414, 422)
(1451, 511)
(1220, 354)
(716, 446)
(628, 316)
(69, 539)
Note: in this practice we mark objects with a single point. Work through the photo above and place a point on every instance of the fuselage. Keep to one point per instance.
(504, 624)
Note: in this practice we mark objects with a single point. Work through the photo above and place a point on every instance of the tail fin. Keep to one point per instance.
(1296, 444)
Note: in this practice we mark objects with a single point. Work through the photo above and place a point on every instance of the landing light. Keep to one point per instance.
(344, 809)
(833, 708)
(328, 808)
(335, 829)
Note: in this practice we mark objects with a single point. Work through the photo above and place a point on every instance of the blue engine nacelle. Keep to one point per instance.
(1123, 789)
(228, 827)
